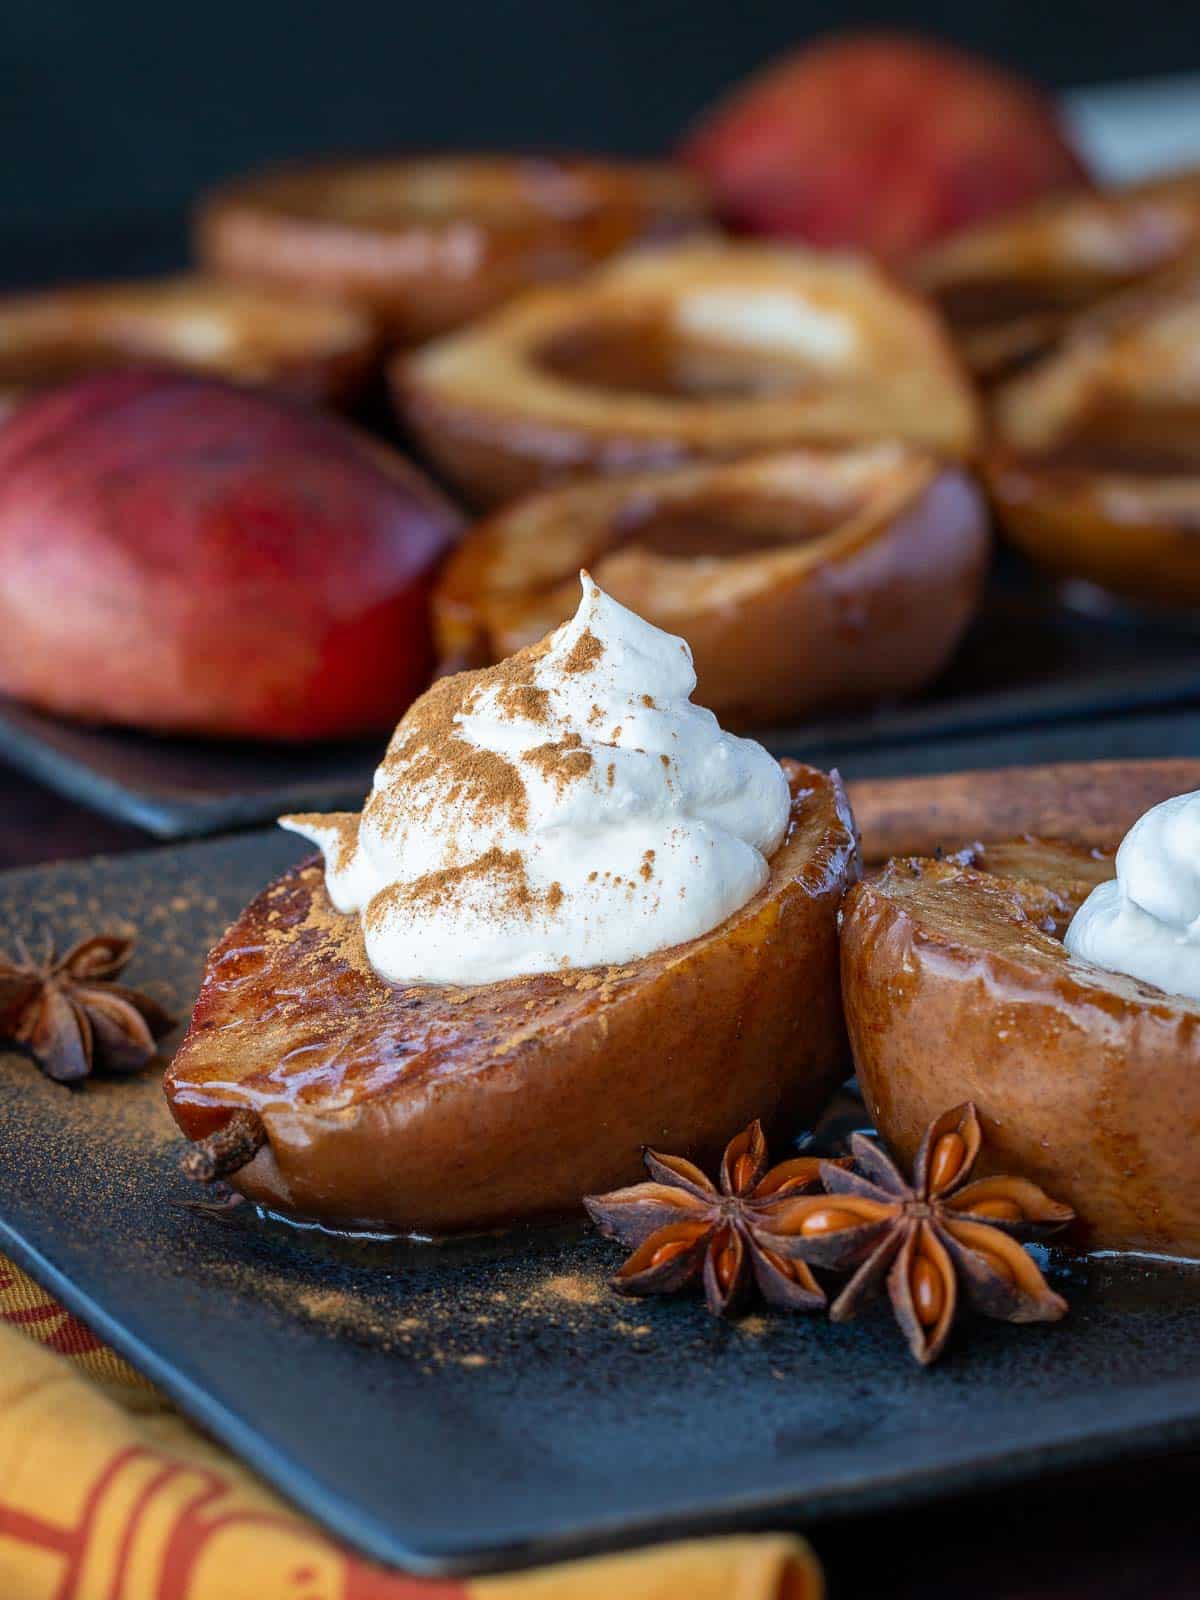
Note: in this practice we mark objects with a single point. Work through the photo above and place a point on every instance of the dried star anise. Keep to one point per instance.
(681, 1225)
(71, 1014)
(931, 1237)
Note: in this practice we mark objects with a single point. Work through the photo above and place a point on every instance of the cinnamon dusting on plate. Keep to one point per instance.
(573, 1288)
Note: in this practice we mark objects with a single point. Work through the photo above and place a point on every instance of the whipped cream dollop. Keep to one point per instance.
(569, 807)
(1146, 921)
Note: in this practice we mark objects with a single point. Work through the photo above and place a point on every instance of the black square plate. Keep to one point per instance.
(387, 1389)
(1027, 664)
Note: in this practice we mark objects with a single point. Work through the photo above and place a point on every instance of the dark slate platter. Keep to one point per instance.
(1028, 665)
(182, 788)
(492, 1404)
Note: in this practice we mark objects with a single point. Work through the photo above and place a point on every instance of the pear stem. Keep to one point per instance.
(231, 1147)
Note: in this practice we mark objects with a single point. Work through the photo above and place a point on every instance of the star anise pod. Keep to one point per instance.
(681, 1226)
(932, 1238)
(71, 1014)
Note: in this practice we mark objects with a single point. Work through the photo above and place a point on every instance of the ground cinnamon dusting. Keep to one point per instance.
(427, 748)
(342, 825)
(575, 1289)
(561, 761)
(522, 700)
(441, 888)
(584, 653)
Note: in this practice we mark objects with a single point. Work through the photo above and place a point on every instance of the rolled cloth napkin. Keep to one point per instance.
(106, 1493)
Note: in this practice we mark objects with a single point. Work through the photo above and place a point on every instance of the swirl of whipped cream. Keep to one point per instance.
(569, 807)
(1146, 921)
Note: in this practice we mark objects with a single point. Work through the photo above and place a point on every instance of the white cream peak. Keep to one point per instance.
(658, 827)
(1146, 921)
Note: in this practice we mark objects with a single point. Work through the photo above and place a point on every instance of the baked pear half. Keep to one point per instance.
(1010, 288)
(311, 348)
(958, 986)
(697, 351)
(434, 1110)
(1094, 468)
(429, 242)
(803, 581)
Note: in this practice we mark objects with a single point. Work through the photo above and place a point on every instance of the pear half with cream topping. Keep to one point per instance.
(958, 986)
(438, 1109)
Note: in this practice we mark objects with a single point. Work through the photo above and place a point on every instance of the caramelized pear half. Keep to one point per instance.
(428, 243)
(958, 987)
(1010, 288)
(311, 348)
(699, 351)
(804, 581)
(437, 1110)
(1095, 465)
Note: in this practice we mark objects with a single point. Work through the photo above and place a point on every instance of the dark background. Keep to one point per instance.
(112, 115)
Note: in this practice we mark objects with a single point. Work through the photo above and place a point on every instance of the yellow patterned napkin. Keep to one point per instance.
(106, 1493)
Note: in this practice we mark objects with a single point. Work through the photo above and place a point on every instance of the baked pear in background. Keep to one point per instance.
(805, 581)
(312, 349)
(426, 243)
(704, 350)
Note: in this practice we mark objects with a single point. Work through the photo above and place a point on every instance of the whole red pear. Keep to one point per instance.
(880, 142)
(183, 555)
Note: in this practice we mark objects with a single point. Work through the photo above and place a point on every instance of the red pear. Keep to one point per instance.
(879, 142)
(183, 555)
